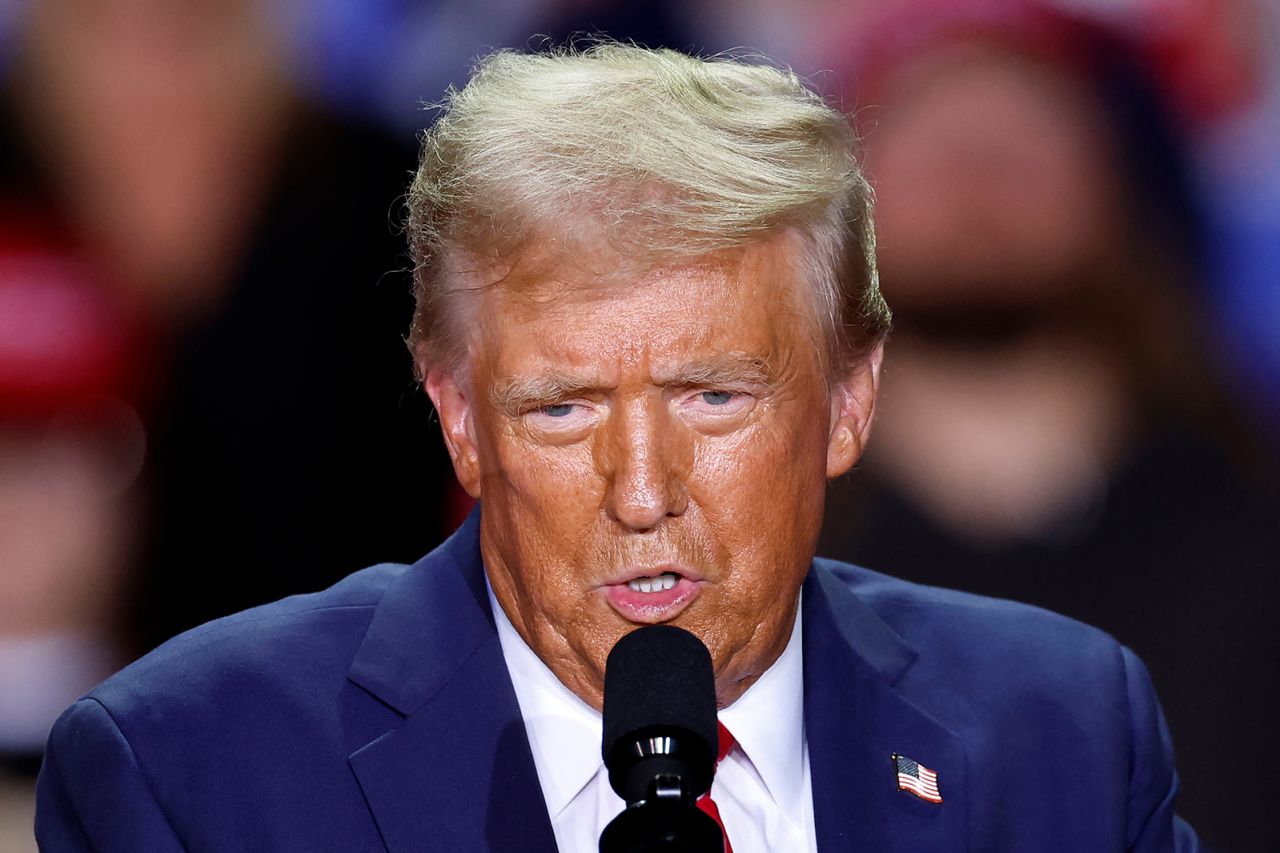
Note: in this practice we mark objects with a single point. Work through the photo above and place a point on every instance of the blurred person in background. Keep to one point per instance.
(1054, 429)
(71, 448)
(252, 235)
(199, 364)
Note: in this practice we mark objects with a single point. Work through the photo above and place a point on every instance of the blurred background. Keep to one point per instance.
(205, 402)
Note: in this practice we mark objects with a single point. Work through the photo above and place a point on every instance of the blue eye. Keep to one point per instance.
(557, 410)
(716, 398)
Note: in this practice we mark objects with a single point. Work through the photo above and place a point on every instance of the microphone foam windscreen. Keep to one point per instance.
(659, 676)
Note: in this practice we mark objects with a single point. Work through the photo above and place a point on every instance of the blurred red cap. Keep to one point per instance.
(63, 337)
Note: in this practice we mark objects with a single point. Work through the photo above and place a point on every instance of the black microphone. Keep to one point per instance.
(660, 739)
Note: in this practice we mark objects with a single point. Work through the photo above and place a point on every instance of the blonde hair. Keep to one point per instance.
(666, 156)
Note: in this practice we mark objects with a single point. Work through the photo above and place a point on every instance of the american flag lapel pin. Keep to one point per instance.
(915, 778)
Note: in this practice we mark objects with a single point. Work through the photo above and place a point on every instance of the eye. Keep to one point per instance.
(716, 406)
(561, 420)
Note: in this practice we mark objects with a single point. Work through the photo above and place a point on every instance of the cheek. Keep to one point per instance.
(531, 477)
(763, 471)
(762, 493)
(541, 505)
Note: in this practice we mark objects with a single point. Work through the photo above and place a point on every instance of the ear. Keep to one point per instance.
(853, 407)
(454, 408)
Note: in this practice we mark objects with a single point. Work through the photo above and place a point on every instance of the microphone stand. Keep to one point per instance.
(665, 820)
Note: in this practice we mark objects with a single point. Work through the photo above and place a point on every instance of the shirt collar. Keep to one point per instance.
(767, 721)
(564, 731)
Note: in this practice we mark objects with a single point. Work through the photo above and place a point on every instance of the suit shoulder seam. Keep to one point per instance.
(51, 762)
(142, 771)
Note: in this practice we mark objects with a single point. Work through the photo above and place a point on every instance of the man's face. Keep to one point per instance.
(654, 450)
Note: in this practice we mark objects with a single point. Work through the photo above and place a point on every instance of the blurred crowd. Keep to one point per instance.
(206, 402)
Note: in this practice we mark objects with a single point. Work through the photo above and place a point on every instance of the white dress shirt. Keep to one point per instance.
(762, 787)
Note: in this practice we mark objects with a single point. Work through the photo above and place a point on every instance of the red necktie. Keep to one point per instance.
(705, 802)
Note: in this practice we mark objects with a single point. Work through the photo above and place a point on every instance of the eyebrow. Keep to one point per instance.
(731, 368)
(734, 369)
(523, 393)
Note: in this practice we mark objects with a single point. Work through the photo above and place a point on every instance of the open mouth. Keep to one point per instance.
(654, 597)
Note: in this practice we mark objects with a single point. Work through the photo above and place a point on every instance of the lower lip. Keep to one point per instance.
(648, 608)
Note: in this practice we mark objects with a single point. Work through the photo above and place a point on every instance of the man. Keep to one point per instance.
(649, 320)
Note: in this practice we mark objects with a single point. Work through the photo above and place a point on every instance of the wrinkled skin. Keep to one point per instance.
(680, 418)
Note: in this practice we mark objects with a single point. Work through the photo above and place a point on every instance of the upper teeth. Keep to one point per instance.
(664, 581)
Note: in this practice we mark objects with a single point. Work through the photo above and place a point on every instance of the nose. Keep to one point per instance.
(643, 466)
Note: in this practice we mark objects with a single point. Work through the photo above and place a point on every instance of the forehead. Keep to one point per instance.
(602, 317)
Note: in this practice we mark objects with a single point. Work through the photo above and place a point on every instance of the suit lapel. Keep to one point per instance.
(457, 773)
(855, 719)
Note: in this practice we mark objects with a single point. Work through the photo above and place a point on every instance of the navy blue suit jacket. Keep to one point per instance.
(379, 715)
